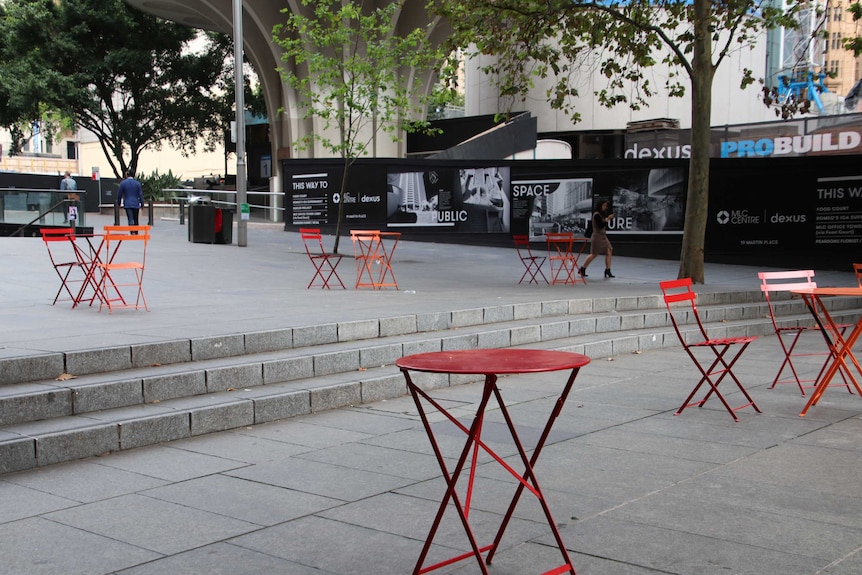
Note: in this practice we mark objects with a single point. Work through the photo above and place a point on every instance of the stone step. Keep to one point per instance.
(36, 400)
(49, 365)
(102, 412)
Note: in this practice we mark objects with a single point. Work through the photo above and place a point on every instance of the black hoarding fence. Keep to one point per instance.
(775, 212)
(788, 212)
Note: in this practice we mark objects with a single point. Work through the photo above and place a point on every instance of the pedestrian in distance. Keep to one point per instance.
(599, 242)
(68, 183)
(70, 186)
(130, 196)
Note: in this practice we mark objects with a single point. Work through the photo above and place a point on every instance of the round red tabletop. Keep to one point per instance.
(493, 361)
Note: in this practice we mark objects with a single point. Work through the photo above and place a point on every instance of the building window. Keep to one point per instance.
(836, 13)
(71, 151)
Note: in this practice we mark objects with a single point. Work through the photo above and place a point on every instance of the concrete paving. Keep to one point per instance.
(634, 489)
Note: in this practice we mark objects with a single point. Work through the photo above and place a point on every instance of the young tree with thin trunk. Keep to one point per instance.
(355, 76)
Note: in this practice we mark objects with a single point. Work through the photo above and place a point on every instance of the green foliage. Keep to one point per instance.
(126, 76)
(854, 44)
(355, 75)
(352, 72)
(155, 183)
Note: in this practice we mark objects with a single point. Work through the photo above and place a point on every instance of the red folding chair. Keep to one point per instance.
(679, 291)
(788, 335)
(324, 263)
(857, 269)
(64, 258)
(532, 263)
(122, 267)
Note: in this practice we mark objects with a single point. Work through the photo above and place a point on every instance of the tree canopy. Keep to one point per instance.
(854, 43)
(132, 79)
(554, 40)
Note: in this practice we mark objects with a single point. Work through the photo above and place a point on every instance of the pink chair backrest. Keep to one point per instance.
(786, 281)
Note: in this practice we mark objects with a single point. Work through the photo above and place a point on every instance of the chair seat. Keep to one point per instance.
(723, 341)
(797, 328)
(123, 266)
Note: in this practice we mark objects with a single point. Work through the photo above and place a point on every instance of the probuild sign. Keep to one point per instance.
(847, 142)
(782, 140)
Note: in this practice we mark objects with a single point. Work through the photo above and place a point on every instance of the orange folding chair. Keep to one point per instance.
(532, 263)
(857, 269)
(788, 335)
(324, 263)
(64, 258)
(122, 266)
(721, 366)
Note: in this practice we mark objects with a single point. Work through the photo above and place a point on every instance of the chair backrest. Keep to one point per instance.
(313, 241)
(677, 291)
(784, 281)
(561, 242)
(522, 245)
(139, 233)
(857, 269)
(116, 236)
(57, 241)
(57, 234)
(366, 243)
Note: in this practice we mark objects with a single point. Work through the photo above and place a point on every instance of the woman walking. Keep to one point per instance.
(599, 242)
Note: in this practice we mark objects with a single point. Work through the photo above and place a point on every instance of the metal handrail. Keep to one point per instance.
(40, 216)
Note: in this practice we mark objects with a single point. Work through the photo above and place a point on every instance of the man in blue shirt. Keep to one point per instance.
(131, 197)
(68, 183)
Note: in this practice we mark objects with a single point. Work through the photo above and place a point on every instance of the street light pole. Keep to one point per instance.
(239, 89)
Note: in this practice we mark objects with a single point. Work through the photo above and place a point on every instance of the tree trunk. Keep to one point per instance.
(341, 204)
(697, 201)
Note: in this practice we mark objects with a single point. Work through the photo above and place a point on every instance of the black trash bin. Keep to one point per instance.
(210, 225)
(201, 223)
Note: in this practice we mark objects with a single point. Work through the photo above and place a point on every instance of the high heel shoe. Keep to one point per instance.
(583, 271)
(608, 273)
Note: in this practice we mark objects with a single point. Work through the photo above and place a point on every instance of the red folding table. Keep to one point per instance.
(564, 251)
(490, 363)
(840, 347)
(370, 250)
